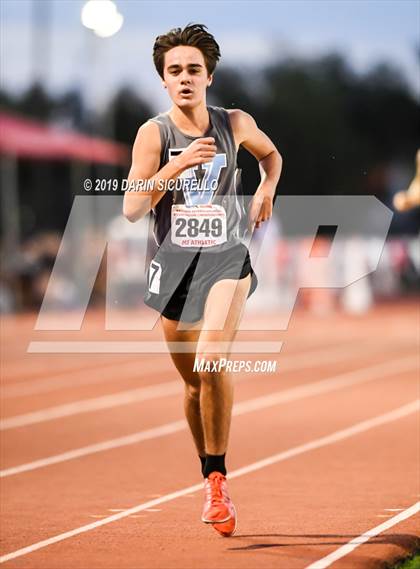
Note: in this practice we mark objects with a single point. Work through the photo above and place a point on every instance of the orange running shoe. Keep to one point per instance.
(226, 529)
(218, 507)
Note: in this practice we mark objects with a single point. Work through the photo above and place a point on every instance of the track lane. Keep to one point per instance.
(93, 479)
(282, 485)
(56, 390)
(50, 498)
(36, 441)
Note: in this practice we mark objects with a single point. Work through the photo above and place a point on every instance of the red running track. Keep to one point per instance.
(99, 469)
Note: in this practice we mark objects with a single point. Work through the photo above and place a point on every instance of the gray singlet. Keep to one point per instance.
(219, 179)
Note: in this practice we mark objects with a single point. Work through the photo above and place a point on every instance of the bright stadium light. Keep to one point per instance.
(102, 17)
(110, 27)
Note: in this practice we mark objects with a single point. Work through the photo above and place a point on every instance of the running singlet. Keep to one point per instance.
(202, 209)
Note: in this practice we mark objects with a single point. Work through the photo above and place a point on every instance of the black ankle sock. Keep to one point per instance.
(203, 463)
(215, 462)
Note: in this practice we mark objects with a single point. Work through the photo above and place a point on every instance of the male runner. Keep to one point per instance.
(201, 276)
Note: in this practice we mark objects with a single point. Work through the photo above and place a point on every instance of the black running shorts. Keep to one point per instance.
(179, 282)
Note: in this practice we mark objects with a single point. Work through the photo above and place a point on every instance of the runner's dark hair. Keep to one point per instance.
(195, 35)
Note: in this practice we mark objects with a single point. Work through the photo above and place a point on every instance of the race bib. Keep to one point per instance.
(198, 226)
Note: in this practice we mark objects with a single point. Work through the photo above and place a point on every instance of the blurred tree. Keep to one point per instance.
(336, 129)
(36, 103)
(232, 90)
(127, 111)
(384, 113)
(68, 110)
(332, 126)
(307, 104)
(7, 101)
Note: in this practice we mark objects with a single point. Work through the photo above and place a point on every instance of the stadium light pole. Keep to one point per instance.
(101, 20)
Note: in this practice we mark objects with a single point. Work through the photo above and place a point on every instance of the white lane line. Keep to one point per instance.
(106, 402)
(14, 368)
(33, 368)
(340, 381)
(284, 396)
(289, 363)
(94, 404)
(351, 545)
(13, 389)
(67, 379)
(148, 434)
(81, 377)
(303, 359)
(86, 376)
(341, 435)
(334, 437)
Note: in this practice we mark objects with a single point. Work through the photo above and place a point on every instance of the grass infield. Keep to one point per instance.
(412, 562)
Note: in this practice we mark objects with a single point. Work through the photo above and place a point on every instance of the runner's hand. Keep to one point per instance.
(260, 210)
(198, 152)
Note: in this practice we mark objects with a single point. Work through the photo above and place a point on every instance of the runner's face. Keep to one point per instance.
(185, 76)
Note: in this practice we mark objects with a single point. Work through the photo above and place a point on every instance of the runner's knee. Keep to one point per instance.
(210, 363)
(210, 352)
(192, 390)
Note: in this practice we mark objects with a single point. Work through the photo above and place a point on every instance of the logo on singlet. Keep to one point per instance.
(200, 182)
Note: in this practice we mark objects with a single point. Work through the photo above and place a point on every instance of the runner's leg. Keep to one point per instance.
(216, 396)
(184, 363)
(215, 342)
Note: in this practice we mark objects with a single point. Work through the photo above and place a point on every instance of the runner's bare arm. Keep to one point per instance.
(145, 166)
(247, 134)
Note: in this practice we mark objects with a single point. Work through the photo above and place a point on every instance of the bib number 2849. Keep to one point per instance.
(198, 226)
